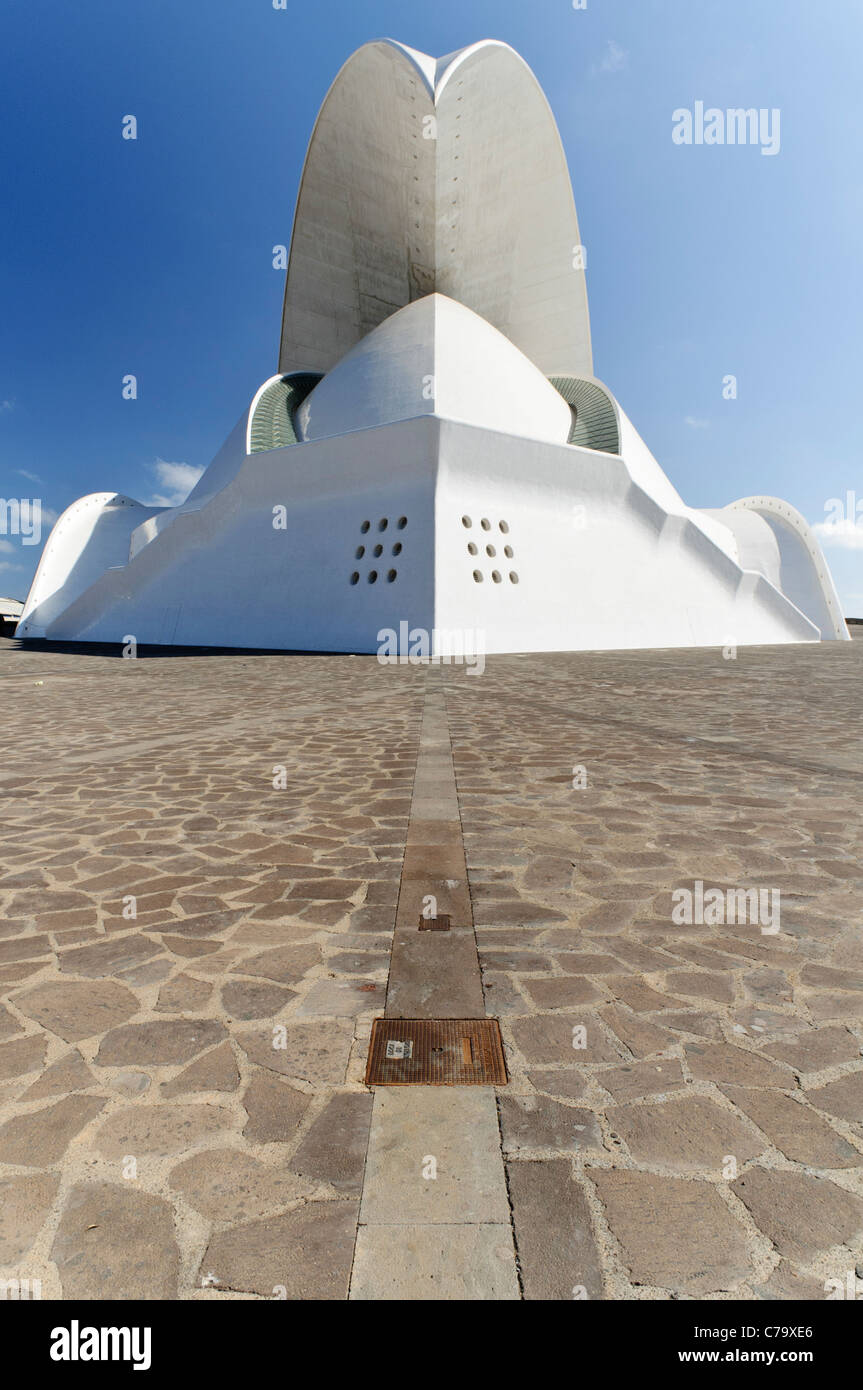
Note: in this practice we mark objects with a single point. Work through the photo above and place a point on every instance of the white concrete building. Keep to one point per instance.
(435, 451)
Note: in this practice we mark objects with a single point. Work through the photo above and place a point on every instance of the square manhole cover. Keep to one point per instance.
(436, 1052)
(441, 923)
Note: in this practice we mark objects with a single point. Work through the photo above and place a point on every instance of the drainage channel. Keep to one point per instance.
(434, 1218)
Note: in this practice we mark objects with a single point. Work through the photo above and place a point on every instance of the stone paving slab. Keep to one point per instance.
(435, 1263)
(554, 1232)
(434, 1158)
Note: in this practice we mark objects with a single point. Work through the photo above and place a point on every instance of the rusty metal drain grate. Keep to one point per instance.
(442, 922)
(436, 1052)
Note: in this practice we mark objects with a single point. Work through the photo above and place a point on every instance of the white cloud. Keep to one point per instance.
(846, 534)
(177, 479)
(32, 477)
(6, 405)
(614, 59)
(6, 547)
(695, 424)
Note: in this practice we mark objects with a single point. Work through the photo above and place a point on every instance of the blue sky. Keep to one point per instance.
(154, 256)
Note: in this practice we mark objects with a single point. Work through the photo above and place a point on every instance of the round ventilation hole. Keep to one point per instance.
(397, 548)
(373, 574)
(466, 521)
(508, 551)
(495, 574)
(504, 526)
(383, 524)
(471, 548)
(365, 526)
(477, 574)
(490, 550)
(361, 550)
(513, 577)
(378, 550)
(391, 576)
(403, 521)
(355, 578)
(485, 524)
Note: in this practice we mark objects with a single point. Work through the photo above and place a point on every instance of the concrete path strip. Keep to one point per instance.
(434, 1219)
(434, 974)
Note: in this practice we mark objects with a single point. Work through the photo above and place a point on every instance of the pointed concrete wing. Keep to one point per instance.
(426, 175)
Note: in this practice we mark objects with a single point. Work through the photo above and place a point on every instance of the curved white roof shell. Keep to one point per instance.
(89, 537)
(426, 175)
(774, 539)
(435, 357)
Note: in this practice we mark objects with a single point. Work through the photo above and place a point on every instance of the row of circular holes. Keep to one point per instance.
(379, 550)
(490, 550)
(496, 576)
(372, 576)
(384, 523)
(485, 524)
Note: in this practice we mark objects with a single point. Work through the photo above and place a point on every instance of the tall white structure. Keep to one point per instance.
(435, 450)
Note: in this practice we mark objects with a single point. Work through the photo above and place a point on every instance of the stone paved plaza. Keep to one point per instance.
(203, 860)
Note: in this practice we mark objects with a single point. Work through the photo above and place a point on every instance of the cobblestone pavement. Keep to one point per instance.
(182, 1111)
(156, 1140)
(710, 1050)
